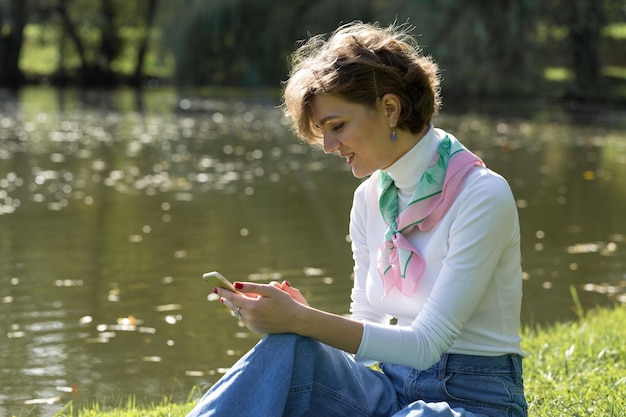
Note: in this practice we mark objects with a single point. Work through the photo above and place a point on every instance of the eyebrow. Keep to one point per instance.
(327, 119)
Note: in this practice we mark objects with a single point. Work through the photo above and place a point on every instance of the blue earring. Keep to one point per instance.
(393, 135)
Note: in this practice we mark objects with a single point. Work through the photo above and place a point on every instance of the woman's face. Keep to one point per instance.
(359, 134)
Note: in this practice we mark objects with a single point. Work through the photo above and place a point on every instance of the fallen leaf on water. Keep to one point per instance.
(50, 400)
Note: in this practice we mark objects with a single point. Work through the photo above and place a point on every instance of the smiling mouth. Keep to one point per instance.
(349, 158)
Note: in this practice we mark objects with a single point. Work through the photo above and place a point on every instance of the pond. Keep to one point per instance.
(113, 205)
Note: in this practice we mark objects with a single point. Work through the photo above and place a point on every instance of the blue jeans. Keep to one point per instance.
(290, 375)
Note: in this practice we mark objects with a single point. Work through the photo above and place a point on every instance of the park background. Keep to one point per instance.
(527, 48)
(141, 145)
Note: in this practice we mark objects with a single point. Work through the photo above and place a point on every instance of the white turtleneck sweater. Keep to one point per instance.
(468, 300)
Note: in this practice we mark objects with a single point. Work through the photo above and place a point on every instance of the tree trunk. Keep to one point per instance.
(141, 51)
(69, 28)
(585, 20)
(11, 45)
(109, 42)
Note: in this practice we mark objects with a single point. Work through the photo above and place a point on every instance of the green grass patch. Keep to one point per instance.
(579, 368)
(129, 410)
(614, 72)
(616, 31)
(562, 74)
(41, 53)
(573, 369)
(558, 74)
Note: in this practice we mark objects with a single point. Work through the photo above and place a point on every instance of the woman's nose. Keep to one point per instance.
(331, 144)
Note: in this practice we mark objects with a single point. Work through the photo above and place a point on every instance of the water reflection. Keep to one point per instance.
(112, 205)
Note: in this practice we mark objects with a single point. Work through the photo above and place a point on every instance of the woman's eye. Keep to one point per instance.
(338, 127)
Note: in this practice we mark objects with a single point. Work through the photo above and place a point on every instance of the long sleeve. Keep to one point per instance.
(468, 300)
(360, 307)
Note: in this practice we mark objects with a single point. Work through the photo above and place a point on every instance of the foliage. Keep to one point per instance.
(85, 42)
(572, 369)
(495, 48)
(246, 42)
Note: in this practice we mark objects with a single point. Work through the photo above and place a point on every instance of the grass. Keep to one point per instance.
(573, 369)
(129, 410)
(579, 368)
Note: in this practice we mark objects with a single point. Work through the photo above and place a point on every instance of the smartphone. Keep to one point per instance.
(217, 280)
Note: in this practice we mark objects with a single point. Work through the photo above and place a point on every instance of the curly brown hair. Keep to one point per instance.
(361, 62)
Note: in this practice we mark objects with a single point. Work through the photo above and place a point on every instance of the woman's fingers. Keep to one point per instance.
(235, 309)
(264, 308)
(294, 293)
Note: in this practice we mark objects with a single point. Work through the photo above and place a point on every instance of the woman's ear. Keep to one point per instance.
(391, 105)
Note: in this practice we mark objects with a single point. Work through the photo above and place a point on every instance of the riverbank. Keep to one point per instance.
(572, 369)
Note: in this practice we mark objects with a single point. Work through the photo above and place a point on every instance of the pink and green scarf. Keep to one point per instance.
(399, 263)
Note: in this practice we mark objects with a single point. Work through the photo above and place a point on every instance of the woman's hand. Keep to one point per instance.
(279, 308)
(265, 308)
(294, 292)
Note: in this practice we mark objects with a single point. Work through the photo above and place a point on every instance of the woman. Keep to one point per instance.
(435, 240)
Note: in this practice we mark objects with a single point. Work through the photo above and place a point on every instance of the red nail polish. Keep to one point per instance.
(215, 290)
(288, 284)
(222, 300)
(238, 285)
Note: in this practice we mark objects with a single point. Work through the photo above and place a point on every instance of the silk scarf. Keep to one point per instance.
(399, 263)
